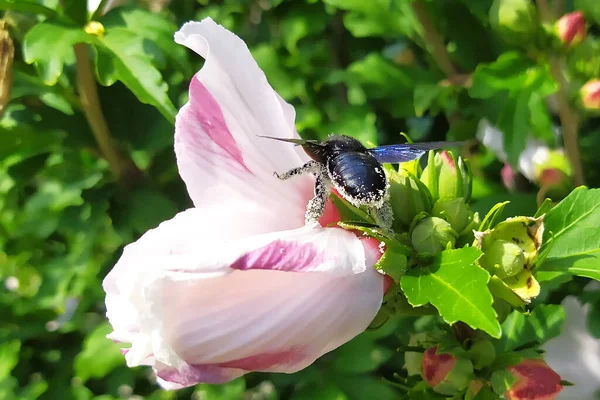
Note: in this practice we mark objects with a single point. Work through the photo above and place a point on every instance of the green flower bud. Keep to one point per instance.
(524, 232)
(474, 387)
(502, 258)
(482, 353)
(445, 373)
(455, 211)
(447, 178)
(412, 359)
(432, 235)
(409, 197)
(514, 20)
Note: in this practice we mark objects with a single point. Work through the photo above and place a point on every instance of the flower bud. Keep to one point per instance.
(590, 95)
(535, 381)
(571, 28)
(432, 235)
(94, 28)
(524, 232)
(455, 211)
(482, 352)
(514, 20)
(409, 197)
(473, 389)
(412, 359)
(445, 373)
(446, 177)
(502, 258)
(508, 177)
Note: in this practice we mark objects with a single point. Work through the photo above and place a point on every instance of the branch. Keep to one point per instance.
(434, 40)
(568, 117)
(123, 168)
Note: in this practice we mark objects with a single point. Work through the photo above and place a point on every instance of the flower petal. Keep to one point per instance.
(575, 354)
(219, 152)
(201, 309)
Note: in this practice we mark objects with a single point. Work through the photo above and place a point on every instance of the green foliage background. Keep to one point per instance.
(370, 69)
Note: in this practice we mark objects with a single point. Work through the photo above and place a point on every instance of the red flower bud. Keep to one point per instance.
(590, 95)
(571, 28)
(535, 381)
(552, 177)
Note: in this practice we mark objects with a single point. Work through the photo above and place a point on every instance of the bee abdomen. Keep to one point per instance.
(359, 177)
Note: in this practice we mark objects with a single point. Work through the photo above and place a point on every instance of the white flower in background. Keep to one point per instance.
(238, 283)
(575, 354)
(532, 161)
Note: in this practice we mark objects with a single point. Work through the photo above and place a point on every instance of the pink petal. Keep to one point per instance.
(200, 308)
(220, 156)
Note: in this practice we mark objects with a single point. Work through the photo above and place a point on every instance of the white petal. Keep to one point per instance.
(204, 309)
(575, 354)
(219, 153)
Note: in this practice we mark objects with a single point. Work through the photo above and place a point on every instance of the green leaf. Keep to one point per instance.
(122, 56)
(591, 9)
(151, 26)
(314, 392)
(99, 355)
(377, 17)
(9, 357)
(76, 10)
(571, 237)
(506, 73)
(457, 287)
(230, 391)
(49, 46)
(502, 380)
(424, 96)
(26, 6)
(360, 355)
(544, 323)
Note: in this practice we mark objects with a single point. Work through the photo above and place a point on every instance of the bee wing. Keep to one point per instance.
(398, 153)
(298, 142)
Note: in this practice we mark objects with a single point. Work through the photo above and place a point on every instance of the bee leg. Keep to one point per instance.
(316, 205)
(384, 216)
(311, 166)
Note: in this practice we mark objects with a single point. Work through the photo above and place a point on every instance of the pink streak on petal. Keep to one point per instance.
(265, 361)
(227, 371)
(280, 255)
(193, 374)
(203, 108)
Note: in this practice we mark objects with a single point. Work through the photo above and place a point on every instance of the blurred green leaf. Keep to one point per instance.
(457, 287)
(360, 355)
(152, 27)
(49, 46)
(569, 234)
(121, 56)
(518, 329)
(9, 357)
(328, 392)
(387, 18)
(590, 8)
(26, 6)
(229, 391)
(99, 355)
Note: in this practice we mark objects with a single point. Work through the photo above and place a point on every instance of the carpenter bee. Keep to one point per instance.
(343, 163)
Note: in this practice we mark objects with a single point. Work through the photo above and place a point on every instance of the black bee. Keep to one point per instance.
(354, 171)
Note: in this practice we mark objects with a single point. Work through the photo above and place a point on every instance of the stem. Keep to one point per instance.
(434, 40)
(86, 83)
(569, 122)
(568, 117)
